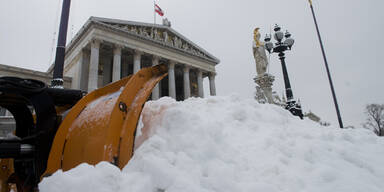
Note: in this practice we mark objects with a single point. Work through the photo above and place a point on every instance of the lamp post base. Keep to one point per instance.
(295, 108)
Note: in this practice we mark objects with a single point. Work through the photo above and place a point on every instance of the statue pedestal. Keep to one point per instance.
(265, 82)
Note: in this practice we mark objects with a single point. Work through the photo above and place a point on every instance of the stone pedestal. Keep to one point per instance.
(259, 95)
(265, 82)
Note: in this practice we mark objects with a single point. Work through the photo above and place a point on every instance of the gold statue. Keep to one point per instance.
(259, 53)
(256, 37)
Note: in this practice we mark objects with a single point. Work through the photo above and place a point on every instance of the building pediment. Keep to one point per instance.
(160, 34)
(150, 38)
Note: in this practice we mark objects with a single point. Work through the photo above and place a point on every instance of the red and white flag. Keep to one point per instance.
(159, 10)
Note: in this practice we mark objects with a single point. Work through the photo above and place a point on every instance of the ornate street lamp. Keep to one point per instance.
(280, 47)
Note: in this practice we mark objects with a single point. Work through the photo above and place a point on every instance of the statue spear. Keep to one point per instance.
(326, 66)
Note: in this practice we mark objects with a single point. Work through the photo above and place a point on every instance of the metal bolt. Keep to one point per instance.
(123, 106)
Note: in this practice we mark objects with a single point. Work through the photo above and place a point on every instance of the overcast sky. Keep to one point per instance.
(351, 31)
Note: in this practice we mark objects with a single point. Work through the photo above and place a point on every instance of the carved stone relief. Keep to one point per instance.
(163, 36)
(134, 29)
(167, 39)
(185, 46)
(156, 35)
(143, 32)
(177, 42)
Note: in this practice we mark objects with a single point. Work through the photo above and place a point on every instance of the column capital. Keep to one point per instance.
(86, 50)
(212, 74)
(199, 70)
(117, 49)
(96, 43)
(115, 46)
(155, 60)
(155, 57)
(138, 52)
(172, 64)
(186, 68)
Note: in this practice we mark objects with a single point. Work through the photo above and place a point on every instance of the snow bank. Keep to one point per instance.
(228, 144)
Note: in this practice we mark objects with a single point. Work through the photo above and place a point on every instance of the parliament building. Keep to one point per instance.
(106, 50)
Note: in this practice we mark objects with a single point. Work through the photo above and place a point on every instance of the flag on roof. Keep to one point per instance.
(159, 10)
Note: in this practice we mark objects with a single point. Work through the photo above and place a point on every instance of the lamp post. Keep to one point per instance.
(280, 47)
(326, 67)
(57, 81)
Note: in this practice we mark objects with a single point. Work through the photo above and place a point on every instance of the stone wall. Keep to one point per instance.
(6, 70)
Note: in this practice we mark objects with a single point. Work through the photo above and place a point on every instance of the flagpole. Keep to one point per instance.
(326, 66)
(154, 12)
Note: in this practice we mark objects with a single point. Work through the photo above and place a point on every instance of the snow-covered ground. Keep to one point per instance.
(229, 144)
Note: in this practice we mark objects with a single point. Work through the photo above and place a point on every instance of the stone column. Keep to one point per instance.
(171, 80)
(137, 61)
(187, 87)
(200, 82)
(156, 90)
(116, 71)
(84, 71)
(94, 65)
(77, 80)
(107, 69)
(212, 86)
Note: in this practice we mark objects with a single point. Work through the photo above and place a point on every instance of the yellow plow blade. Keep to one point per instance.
(102, 125)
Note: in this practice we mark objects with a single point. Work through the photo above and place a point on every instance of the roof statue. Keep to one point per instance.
(166, 22)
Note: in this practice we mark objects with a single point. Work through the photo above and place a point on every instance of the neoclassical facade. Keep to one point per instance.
(106, 50)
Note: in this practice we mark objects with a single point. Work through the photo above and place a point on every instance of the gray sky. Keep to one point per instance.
(351, 31)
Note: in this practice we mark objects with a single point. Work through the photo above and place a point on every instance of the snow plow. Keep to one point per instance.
(58, 128)
(62, 128)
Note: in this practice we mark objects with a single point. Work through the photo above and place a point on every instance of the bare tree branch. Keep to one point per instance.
(375, 119)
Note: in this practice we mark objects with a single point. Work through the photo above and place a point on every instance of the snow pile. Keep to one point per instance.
(228, 144)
